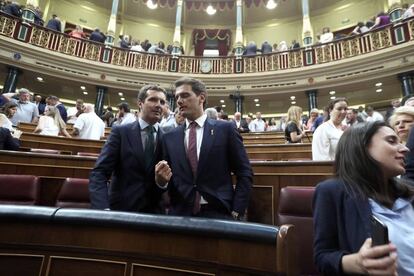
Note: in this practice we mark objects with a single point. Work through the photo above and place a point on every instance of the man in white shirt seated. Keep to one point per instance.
(327, 35)
(257, 124)
(89, 125)
(124, 116)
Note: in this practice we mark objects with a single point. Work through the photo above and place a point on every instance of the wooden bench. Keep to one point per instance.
(30, 127)
(51, 241)
(269, 177)
(74, 145)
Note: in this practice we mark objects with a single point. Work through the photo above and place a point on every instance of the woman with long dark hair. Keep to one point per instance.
(326, 136)
(369, 157)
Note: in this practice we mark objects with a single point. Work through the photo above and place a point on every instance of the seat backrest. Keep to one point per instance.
(74, 193)
(295, 207)
(19, 189)
(91, 154)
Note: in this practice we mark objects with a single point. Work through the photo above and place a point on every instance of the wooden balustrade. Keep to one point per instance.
(392, 35)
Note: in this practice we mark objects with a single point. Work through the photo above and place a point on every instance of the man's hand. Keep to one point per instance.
(162, 173)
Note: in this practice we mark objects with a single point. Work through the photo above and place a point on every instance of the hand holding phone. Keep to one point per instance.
(379, 232)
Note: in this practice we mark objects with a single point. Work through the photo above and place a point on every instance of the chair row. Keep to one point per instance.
(25, 190)
(22, 189)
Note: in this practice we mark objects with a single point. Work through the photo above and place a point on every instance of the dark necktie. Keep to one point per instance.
(149, 146)
(192, 158)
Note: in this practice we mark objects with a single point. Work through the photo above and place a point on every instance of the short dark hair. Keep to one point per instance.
(124, 106)
(362, 174)
(197, 86)
(143, 92)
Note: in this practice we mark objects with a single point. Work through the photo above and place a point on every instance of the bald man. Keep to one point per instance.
(89, 125)
(240, 123)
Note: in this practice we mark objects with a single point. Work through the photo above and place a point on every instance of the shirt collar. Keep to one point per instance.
(144, 124)
(398, 205)
(200, 121)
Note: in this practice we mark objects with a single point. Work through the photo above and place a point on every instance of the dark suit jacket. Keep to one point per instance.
(221, 153)
(132, 185)
(62, 111)
(266, 48)
(244, 127)
(7, 142)
(13, 9)
(41, 107)
(409, 167)
(54, 24)
(341, 225)
(97, 36)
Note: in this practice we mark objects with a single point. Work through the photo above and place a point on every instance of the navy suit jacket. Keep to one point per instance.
(221, 153)
(132, 186)
(244, 127)
(409, 167)
(97, 36)
(341, 225)
(54, 24)
(7, 142)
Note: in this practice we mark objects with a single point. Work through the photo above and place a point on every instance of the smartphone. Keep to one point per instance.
(379, 232)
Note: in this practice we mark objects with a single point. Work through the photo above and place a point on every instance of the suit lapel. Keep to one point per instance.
(135, 142)
(206, 145)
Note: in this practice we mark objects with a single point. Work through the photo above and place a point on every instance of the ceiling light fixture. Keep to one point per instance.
(83, 87)
(151, 5)
(122, 99)
(293, 102)
(271, 4)
(378, 90)
(120, 94)
(332, 92)
(333, 98)
(256, 100)
(257, 104)
(292, 97)
(378, 84)
(223, 105)
(222, 101)
(85, 92)
(210, 10)
(39, 79)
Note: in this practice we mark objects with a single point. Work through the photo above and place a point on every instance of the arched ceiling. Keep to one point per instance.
(252, 15)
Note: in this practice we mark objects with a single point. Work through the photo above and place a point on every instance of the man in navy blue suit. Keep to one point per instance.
(54, 23)
(128, 158)
(199, 157)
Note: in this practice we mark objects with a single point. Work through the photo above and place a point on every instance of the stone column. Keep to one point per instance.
(110, 37)
(11, 80)
(177, 30)
(312, 99)
(100, 99)
(407, 83)
(395, 9)
(239, 32)
(28, 12)
(307, 31)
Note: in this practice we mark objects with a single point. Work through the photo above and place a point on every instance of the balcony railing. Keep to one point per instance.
(388, 36)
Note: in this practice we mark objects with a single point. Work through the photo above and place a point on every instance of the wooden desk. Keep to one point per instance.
(75, 145)
(269, 177)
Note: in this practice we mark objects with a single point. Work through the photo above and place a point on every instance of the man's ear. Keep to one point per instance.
(202, 97)
(139, 104)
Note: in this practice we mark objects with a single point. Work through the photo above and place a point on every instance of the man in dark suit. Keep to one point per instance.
(129, 156)
(54, 24)
(199, 158)
(7, 141)
(97, 36)
(240, 123)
